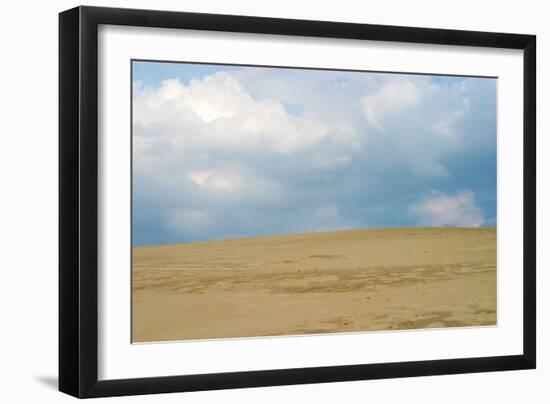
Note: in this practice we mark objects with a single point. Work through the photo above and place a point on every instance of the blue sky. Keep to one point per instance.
(230, 151)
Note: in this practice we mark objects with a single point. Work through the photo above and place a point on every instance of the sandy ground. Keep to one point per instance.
(314, 283)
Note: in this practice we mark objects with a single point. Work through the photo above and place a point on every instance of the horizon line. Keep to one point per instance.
(134, 246)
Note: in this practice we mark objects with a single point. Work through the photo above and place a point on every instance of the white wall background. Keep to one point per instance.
(28, 206)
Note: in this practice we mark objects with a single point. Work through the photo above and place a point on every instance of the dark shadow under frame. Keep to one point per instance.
(78, 203)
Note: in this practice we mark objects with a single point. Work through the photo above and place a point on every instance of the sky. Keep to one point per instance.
(233, 151)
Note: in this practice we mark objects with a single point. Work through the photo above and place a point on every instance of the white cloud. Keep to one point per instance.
(214, 180)
(459, 209)
(216, 112)
(200, 177)
(390, 99)
(445, 124)
(419, 122)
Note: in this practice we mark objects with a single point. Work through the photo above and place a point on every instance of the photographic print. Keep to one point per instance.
(277, 201)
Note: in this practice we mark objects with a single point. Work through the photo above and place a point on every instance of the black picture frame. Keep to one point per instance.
(78, 201)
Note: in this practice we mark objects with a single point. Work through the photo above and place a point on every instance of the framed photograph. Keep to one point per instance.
(250, 201)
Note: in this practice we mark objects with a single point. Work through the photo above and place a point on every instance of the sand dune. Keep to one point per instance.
(345, 281)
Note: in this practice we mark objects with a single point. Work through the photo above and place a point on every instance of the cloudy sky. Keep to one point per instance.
(230, 151)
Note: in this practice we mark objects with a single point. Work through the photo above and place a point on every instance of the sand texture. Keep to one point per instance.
(344, 281)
